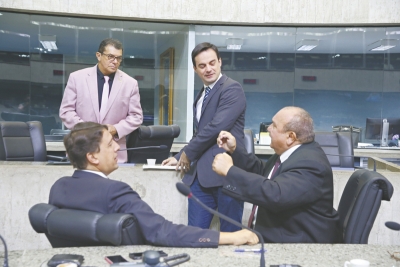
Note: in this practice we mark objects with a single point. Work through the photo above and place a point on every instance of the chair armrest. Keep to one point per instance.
(76, 225)
(110, 227)
(38, 216)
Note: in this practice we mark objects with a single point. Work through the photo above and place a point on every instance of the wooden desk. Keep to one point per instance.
(306, 255)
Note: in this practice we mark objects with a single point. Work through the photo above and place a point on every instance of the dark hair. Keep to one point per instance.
(109, 41)
(84, 138)
(302, 124)
(203, 47)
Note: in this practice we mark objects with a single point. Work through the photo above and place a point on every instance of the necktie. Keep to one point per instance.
(208, 89)
(253, 211)
(104, 99)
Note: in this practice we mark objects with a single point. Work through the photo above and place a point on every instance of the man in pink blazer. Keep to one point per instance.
(83, 96)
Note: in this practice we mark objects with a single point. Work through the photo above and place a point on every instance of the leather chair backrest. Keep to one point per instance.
(338, 147)
(355, 132)
(78, 228)
(22, 141)
(152, 135)
(48, 122)
(249, 140)
(360, 203)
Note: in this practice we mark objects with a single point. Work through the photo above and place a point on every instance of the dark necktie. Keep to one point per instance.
(253, 211)
(207, 91)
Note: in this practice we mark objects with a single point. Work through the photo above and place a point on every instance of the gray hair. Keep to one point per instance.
(302, 124)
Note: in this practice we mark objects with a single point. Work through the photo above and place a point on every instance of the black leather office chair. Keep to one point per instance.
(153, 135)
(48, 121)
(78, 228)
(338, 147)
(23, 141)
(355, 132)
(360, 204)
(249, 140)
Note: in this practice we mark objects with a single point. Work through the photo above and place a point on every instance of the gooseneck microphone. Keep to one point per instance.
(145, 147)
(393, 225)
(5, 252)
(185, 190)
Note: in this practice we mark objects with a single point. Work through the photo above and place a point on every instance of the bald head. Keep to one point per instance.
(290, 126)
(300, 122)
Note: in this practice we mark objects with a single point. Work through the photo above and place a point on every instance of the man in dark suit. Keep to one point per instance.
(293, 190)
(93, 151)
(220, 105)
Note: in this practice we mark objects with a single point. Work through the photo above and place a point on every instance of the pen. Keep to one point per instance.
(248, 250)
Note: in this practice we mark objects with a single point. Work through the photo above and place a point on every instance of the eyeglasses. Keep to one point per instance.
(112, 57)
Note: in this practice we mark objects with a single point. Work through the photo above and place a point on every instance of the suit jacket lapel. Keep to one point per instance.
(216, 87)
(91, 81)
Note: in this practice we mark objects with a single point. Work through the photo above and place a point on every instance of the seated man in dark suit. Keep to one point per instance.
(93, 151)
(293, 190)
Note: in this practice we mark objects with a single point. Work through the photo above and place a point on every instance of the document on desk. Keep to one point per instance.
(159, 167)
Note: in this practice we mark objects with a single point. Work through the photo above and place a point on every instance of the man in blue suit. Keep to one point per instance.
(93, 151)
(220, 105)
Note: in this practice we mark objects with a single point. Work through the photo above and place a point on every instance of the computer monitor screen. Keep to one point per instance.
(373, 129)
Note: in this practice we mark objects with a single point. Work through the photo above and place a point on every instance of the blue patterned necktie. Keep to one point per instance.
(208, 89)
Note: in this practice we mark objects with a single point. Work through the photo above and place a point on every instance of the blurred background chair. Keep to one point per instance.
(23, 141)
(360, 203)
(338, 147)
(355, 132)
(249, 140)
(152, 135)
(48, 121)
(79, 228)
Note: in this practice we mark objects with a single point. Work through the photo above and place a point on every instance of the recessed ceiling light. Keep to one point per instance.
(306, 45)
(383, 45)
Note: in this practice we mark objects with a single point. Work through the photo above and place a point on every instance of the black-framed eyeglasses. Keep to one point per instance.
(112, 57)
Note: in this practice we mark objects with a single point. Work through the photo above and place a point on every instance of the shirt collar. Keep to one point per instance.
(96, 172)
(285, 155)
(101, 75)
(212, 85)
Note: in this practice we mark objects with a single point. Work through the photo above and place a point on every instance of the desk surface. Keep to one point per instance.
(306, 255)
(386, 152)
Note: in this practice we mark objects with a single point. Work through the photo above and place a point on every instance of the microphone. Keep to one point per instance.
(151, 258)
(185, 190)
(5, 252)
(145, 147)
(393, 225)
(340, 155)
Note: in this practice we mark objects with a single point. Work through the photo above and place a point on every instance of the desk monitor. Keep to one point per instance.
(373, 129)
